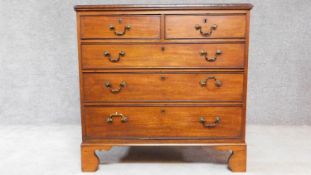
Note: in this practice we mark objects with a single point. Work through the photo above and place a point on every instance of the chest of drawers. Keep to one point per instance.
(163, 75)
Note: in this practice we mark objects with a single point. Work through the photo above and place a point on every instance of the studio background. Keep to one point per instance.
(39, 81)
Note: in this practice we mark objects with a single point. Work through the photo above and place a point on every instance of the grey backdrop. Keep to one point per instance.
(39, 65)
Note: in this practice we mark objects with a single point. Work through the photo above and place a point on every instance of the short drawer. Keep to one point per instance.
(205, 26)
(118, 27)
(162, 56)
(162, 87)
(163, 122)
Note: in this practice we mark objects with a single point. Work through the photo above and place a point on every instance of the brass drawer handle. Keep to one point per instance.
(116, 114)
(211, 59)
(108, 85)
(210, 125)
(117, 33)
(209, 33)
(203, 82)
(113, 28)
(114, 60)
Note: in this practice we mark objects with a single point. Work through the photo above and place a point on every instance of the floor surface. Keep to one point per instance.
(40, 150)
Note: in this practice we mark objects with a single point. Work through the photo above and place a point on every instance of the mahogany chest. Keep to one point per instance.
(163, 75)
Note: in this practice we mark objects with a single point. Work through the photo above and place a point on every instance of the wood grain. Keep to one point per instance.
(163, 122)
(162, 67)
(237, 160)
(138, 7)
(162, 56)
(142, 26)
(162, 87)
(89, 159)
(183, 26)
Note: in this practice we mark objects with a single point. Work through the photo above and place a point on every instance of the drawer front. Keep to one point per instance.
(162, 87)
(163, 55)
(132, 26)
(205, 26)
(149, 122)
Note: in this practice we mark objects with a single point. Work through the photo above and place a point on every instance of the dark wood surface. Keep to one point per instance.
(163, 122)
(240, 6)
(183, 26)
(142, 26)
(162, 66)
(163, 87)
(162, 56)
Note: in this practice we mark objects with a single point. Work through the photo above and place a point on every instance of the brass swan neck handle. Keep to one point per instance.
(212, 124)
(118, 33)
(114, 60)
(108, 85)
(124, 118)
(208, 33)
(217, 82)
(211, 59)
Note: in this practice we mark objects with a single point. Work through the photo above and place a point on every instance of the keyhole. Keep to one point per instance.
(162, 110)
(120, 20)
(205, 20)
(162, 48)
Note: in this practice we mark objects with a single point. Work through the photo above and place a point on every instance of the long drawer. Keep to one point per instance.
(166, 122)
(162, 87)
(205, 26)
(162, 55)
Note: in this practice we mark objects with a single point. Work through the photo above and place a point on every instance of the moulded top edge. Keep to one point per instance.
(113, 7)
